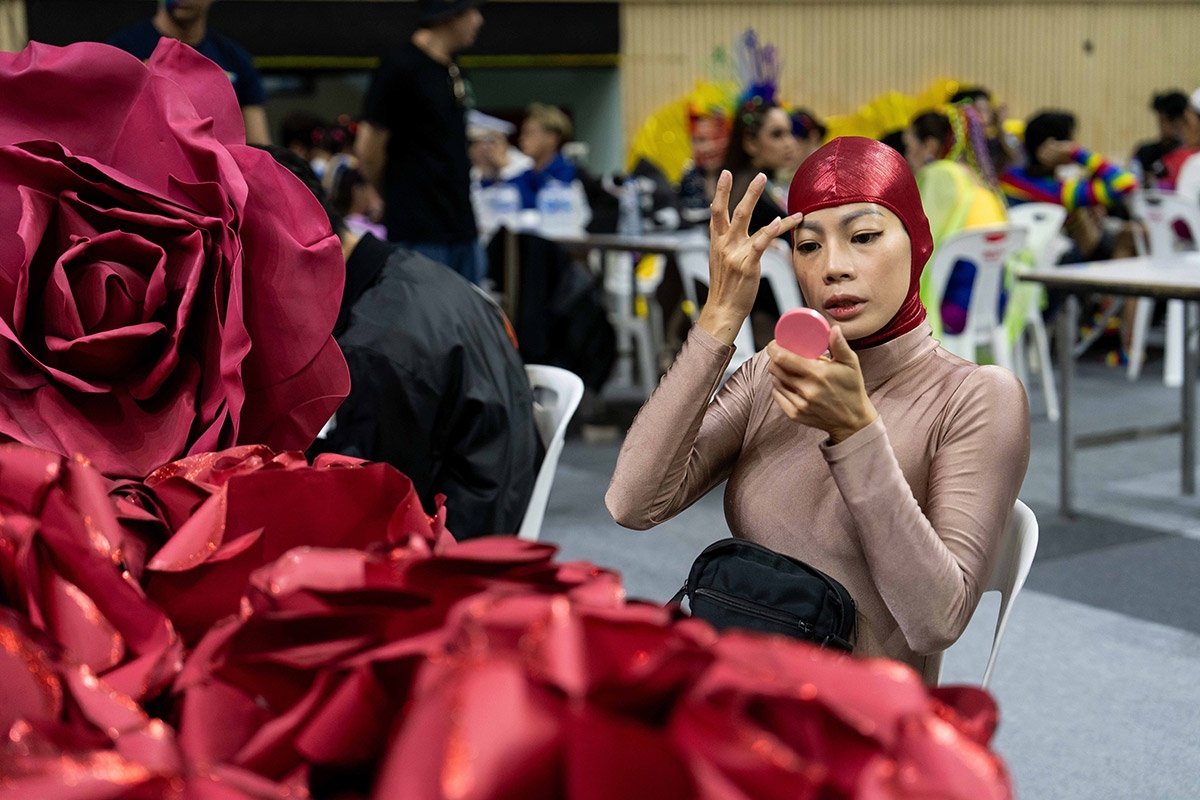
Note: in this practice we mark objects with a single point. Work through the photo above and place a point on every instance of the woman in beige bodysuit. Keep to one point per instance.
(888, 463)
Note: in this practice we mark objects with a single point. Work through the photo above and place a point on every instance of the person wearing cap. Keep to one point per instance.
(888, 463)
(412, 141)
(187, 21)
(493, 158)
(1188, 183)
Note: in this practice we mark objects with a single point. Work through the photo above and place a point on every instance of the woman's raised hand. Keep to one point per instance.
(825, 393)
(734, 256)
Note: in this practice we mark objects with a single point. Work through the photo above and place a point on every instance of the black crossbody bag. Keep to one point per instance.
(734, 583)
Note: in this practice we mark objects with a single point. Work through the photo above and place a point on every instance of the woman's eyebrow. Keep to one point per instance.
(853, 215)
(816, 227)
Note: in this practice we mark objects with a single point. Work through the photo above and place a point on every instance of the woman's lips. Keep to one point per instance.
(844, 307)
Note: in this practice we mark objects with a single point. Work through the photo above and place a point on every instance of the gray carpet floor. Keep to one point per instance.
(1098, 680)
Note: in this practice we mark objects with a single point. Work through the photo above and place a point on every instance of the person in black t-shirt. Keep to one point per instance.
(187, 21)
(1168, 109)
(412, 141)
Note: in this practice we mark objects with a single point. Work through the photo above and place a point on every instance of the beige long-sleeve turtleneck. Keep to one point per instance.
(907, 513)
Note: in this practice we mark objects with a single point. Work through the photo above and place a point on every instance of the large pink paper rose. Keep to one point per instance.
(165, 290)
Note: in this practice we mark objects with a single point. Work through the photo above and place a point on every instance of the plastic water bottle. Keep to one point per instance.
(629, 208)
(555, 203)
(691, 191)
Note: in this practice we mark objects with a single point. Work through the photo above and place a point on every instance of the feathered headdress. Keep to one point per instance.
(758, 68)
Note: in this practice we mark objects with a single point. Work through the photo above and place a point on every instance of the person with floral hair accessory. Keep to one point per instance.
(888, 463)
(950, 158)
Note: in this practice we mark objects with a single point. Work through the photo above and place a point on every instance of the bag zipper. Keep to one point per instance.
(756, 610)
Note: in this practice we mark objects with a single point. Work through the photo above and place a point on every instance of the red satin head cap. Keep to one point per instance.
(852, 169)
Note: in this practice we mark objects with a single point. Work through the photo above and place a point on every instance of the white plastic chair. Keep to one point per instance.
(776, 268)
(1017, 550)
(693, 269)
(1043, 222)
(989, 250)
(633, 331)
(556, 395)
(1158, 211)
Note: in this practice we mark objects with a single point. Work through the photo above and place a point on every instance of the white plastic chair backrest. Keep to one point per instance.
(1017, 549)
(988, 249)
(556, 395)
(693, 269)
(777, 270)
(1158, 211)
(1044, 223)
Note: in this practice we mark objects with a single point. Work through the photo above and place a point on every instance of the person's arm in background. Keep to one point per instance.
(370, 145)
(1102, 182)
(255, 120)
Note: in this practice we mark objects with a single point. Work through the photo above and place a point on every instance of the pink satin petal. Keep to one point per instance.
(80, 627)
(202, 82)
(350, 726)
(103, 81)
(271, 750)
(325, 383)
(295, 257)
(313, 569)
(449, 746)
(31, 689)
(103, 706)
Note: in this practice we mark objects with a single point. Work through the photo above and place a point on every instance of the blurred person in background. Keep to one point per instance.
(437, 388)
(809, 133)
(1188, 183)
(493, 157)
(543, 133)
(761, 141)
(1168, 108)
(708, 133)
(1002, 150)
(1061, 171)
(957, 183)
(307, 135)
(353, 198)
(187, 21)
(412, 140)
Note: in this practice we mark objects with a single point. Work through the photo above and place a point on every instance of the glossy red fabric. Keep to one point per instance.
(61, 565)
(853, 169)
(345, 646)
(164, 289)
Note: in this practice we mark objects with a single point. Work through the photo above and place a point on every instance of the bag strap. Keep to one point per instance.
(678, 598)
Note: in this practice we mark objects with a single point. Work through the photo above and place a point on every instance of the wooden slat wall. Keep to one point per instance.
(839, 56)
(13, 32)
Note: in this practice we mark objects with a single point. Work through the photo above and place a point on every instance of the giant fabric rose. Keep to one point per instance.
(165, 290)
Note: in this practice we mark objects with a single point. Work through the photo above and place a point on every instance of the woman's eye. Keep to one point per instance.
(864, 238)
(807, 247)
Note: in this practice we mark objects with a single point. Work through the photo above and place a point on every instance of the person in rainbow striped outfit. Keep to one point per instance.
(1097, 186)
(1094, 186)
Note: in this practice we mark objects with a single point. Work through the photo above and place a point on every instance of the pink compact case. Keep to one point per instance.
(803, 331)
